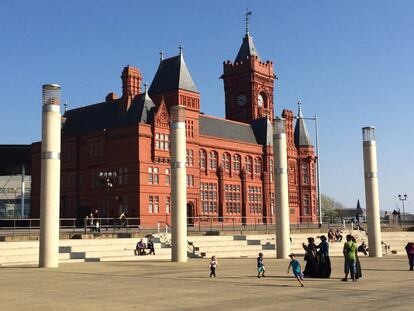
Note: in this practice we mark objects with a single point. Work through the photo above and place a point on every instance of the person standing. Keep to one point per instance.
(409, 248)
(150, 246)
(260, 266)
(358, 270)
(323, 258)
(349, 252)
(311, 258)
(213, 265)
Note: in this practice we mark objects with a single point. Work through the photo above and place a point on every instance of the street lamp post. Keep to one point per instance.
(402, 198)
(109, 179)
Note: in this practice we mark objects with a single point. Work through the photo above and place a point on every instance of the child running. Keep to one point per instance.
(260, 266)
(213, 265)
(296, 269)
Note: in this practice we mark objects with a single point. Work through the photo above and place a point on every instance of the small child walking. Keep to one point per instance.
(260, 266)
(213, 265)
(296, 269)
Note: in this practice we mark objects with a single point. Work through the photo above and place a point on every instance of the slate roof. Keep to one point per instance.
(263, 131)
(172, 74)
(220, 128)
(108, 115)
(247, 49)
(301, 133)
(12, 157)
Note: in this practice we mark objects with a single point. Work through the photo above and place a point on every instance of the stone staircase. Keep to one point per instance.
(227, 246)
(88, 250)
(251, 245)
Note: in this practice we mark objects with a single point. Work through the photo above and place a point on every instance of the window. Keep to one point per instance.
(232, 198)
(189, 157)
(123, 176)
(189, 128)
(248, 164)
(272, 203)
(306, 204)
(305, 174)
(271, 170)
(168, 205)
(203, 159)
(153, 204)
(150, 175)
(257, 166)
(236, 163)
(190, 181)
(162, 141)
(255, 199)
(153, 175)
(226, 162)
(95, 149)
(212, 160)
(208, 192)
(167, 176)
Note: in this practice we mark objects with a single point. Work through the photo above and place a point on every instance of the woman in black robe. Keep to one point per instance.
(358, 271)
(311, 258)
(323, 258)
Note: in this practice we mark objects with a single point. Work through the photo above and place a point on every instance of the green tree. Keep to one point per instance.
(330, 207)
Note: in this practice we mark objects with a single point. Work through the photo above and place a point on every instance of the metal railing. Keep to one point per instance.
(31, 226)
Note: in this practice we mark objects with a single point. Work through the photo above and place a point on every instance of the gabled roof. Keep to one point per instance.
(172, 74)
(263, 131)
(107, 115)
(247, 49)
(226, 129)
(301, 133)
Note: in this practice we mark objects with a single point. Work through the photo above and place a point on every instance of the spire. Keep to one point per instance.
(247, 48)
(172, 74)
(299, 109)
(246, 18)
(301, 133)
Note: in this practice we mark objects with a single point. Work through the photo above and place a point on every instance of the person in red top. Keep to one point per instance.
(409, 248)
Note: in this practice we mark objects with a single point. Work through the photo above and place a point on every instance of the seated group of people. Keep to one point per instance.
(141, 247)
(335, 236)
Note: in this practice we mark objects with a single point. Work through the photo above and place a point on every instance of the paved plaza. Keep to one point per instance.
(386, 284)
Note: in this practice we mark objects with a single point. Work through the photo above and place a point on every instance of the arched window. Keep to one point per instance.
(236, 163)
(248, 164)
(226, 161)
(305, 173)
(212, 160)
(203, 159)
(257, 166)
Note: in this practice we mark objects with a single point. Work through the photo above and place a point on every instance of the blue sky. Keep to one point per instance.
(351, 62)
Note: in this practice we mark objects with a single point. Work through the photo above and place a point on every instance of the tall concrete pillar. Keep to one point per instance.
(371, 191)
(178, 185)
(50, 177)
(281, 189)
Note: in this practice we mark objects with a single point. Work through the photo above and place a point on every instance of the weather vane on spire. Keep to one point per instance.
(181, 49)
(145, 87)
(246, 18)
(161, 55)
(299, 108)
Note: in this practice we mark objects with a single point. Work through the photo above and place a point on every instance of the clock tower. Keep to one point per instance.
(248, 83)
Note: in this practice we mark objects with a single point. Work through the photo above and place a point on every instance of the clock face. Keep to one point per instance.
(241, 100)
(260, 101)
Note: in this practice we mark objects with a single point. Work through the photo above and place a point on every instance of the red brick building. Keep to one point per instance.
(229, 161)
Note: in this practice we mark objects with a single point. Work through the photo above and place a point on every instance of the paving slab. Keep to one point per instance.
(161, 285)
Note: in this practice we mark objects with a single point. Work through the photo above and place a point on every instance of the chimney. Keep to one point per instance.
(131, 82)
